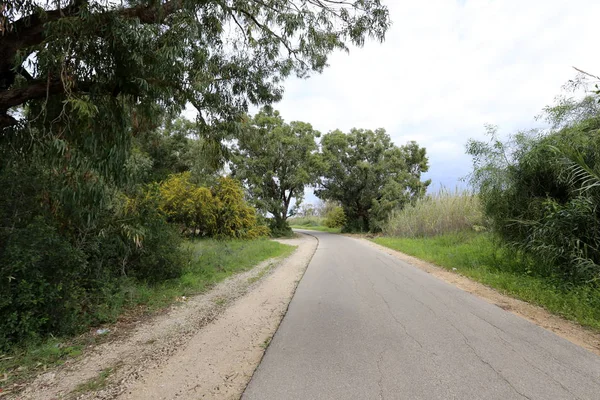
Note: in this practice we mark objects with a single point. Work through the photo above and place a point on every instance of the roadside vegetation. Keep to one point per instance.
(276, 160)
(438, 213)
(207, 262)
(110, 199)
(319, 228)
(366, 174)
(327, 216)
(531, 228)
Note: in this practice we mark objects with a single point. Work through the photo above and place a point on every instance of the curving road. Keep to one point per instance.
(365, 325)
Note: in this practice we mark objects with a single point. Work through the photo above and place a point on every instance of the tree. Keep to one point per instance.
(81, 83)
(369, 175)
(276, 161)
(335, 218)
(172, 148)
(218, 55)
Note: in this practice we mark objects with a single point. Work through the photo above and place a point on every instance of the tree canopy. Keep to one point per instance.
(218, 55)
(276, 161)
(370, 176)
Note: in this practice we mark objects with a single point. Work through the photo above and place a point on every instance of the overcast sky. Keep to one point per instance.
(446, 68)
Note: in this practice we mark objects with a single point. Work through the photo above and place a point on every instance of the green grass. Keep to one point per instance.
(319, 228)
(210, 261)
(27, 361)
(94, 384)
(477, 257)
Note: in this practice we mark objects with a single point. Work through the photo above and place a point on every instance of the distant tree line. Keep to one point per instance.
(363, 171)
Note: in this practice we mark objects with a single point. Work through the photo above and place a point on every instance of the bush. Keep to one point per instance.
(188, 205)
(40, 284)
(542, 193)
(152, 246)
(64, 255)
(219, 212)
(336, 218)
(437, 214)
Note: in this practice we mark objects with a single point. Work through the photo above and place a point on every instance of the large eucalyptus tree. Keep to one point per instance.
(218, 55)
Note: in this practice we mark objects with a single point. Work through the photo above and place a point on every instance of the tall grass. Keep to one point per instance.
(437, 214)
(306, 221)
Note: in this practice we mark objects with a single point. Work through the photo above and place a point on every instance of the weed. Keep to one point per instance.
(220, 301)
(96, 383)
(261, 274)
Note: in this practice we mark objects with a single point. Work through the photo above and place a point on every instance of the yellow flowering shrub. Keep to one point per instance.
(218, 212)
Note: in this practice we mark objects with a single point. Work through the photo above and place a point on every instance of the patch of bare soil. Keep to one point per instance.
(566, 329)
(205, 347)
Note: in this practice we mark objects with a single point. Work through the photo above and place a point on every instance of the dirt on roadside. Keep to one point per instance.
(566, 329)
(204, 347)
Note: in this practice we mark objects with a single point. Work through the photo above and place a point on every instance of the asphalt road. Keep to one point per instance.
(365, 325)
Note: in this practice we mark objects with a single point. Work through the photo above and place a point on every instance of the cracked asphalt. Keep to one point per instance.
(365, 325)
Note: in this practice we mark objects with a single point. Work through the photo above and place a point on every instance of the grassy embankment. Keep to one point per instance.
(210, 261)
(448, 230)
(311, 223)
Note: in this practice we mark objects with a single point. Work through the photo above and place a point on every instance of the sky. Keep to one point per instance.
(447, 68)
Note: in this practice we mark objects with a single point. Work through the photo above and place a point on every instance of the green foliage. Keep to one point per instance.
(306, 221)
(66, 240)
(542, 192)
(208, 262)
(85, 88)
(370, 176)
(171, 53)
(190, 206)
(438, 214)
(173, 147)
(335, 218)
(276, 161)
(479, 257)
(219, 212)
(235, 218)
(157, 253)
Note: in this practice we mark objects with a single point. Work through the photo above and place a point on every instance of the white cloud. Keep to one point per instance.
(447, 68)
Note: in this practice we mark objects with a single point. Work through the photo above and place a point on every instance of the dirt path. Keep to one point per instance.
(207, 347)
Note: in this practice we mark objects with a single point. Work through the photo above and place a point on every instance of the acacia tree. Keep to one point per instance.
(369, 175)
(276, 161)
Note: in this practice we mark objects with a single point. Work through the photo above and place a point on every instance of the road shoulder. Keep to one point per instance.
(207, 346)
(566, 329)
